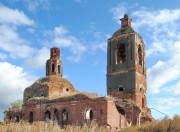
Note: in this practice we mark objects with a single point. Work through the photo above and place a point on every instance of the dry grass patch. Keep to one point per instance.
(165, 125)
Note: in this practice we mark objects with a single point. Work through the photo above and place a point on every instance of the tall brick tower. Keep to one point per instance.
(54, 65)
(126, 66)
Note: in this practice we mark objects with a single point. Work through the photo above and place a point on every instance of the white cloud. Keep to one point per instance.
(167, 105)
(83, 2)
(33, 5)
(156, 17)
(173, 89)
(163, 27)
(100, 42)
(78, 1)
(13, 81)
(3, 56)
(16, 17)
(61, 38)
(119, 11)
(102, 46)
(11, 42)
(162, 73)
(38, 59)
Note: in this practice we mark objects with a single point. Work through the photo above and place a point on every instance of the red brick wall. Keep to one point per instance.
(76, 110)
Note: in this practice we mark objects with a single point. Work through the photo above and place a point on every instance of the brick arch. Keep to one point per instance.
(31, 117)
(28, 113)
(47, 115)
(55, 115)
(65, 115)
(121, 53)
(85, 109)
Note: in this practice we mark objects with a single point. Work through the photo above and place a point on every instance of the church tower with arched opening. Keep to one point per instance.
(126, 66)
(54, 64)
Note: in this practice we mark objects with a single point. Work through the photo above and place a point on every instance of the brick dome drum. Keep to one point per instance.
(53, 86)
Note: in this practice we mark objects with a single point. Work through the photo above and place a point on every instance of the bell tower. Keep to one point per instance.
(54, 65)
(126, 66)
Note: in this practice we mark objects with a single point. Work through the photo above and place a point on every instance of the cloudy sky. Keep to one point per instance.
(80, 28)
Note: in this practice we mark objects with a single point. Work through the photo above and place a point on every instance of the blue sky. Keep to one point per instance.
(80, 28)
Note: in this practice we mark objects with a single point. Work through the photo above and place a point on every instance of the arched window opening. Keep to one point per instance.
(10, 118)
(89, 114)
(31, 117)
(17, 119)
(47, 116)
(140, 55)
(121, 54)
(53, 67)
(143, 103)
(64, 116)
(58, 68)
(120, 88)
(141, 89)
(55, 117)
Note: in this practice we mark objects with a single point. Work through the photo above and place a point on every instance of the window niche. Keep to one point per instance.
(120, 88)
(17, 119)
(121, 53)
(47, 116)
(64, 117)
(89, 114)
(31, 117)
(55, 116)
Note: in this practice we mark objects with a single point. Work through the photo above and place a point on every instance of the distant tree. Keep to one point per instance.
(16, 105)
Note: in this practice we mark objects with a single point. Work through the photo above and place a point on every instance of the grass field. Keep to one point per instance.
(165, 125)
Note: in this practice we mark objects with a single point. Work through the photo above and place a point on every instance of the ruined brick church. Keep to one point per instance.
(54, 98)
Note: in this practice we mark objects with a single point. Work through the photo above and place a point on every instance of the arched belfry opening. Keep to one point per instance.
(140, 55)
(53, 67)
(121, 53)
